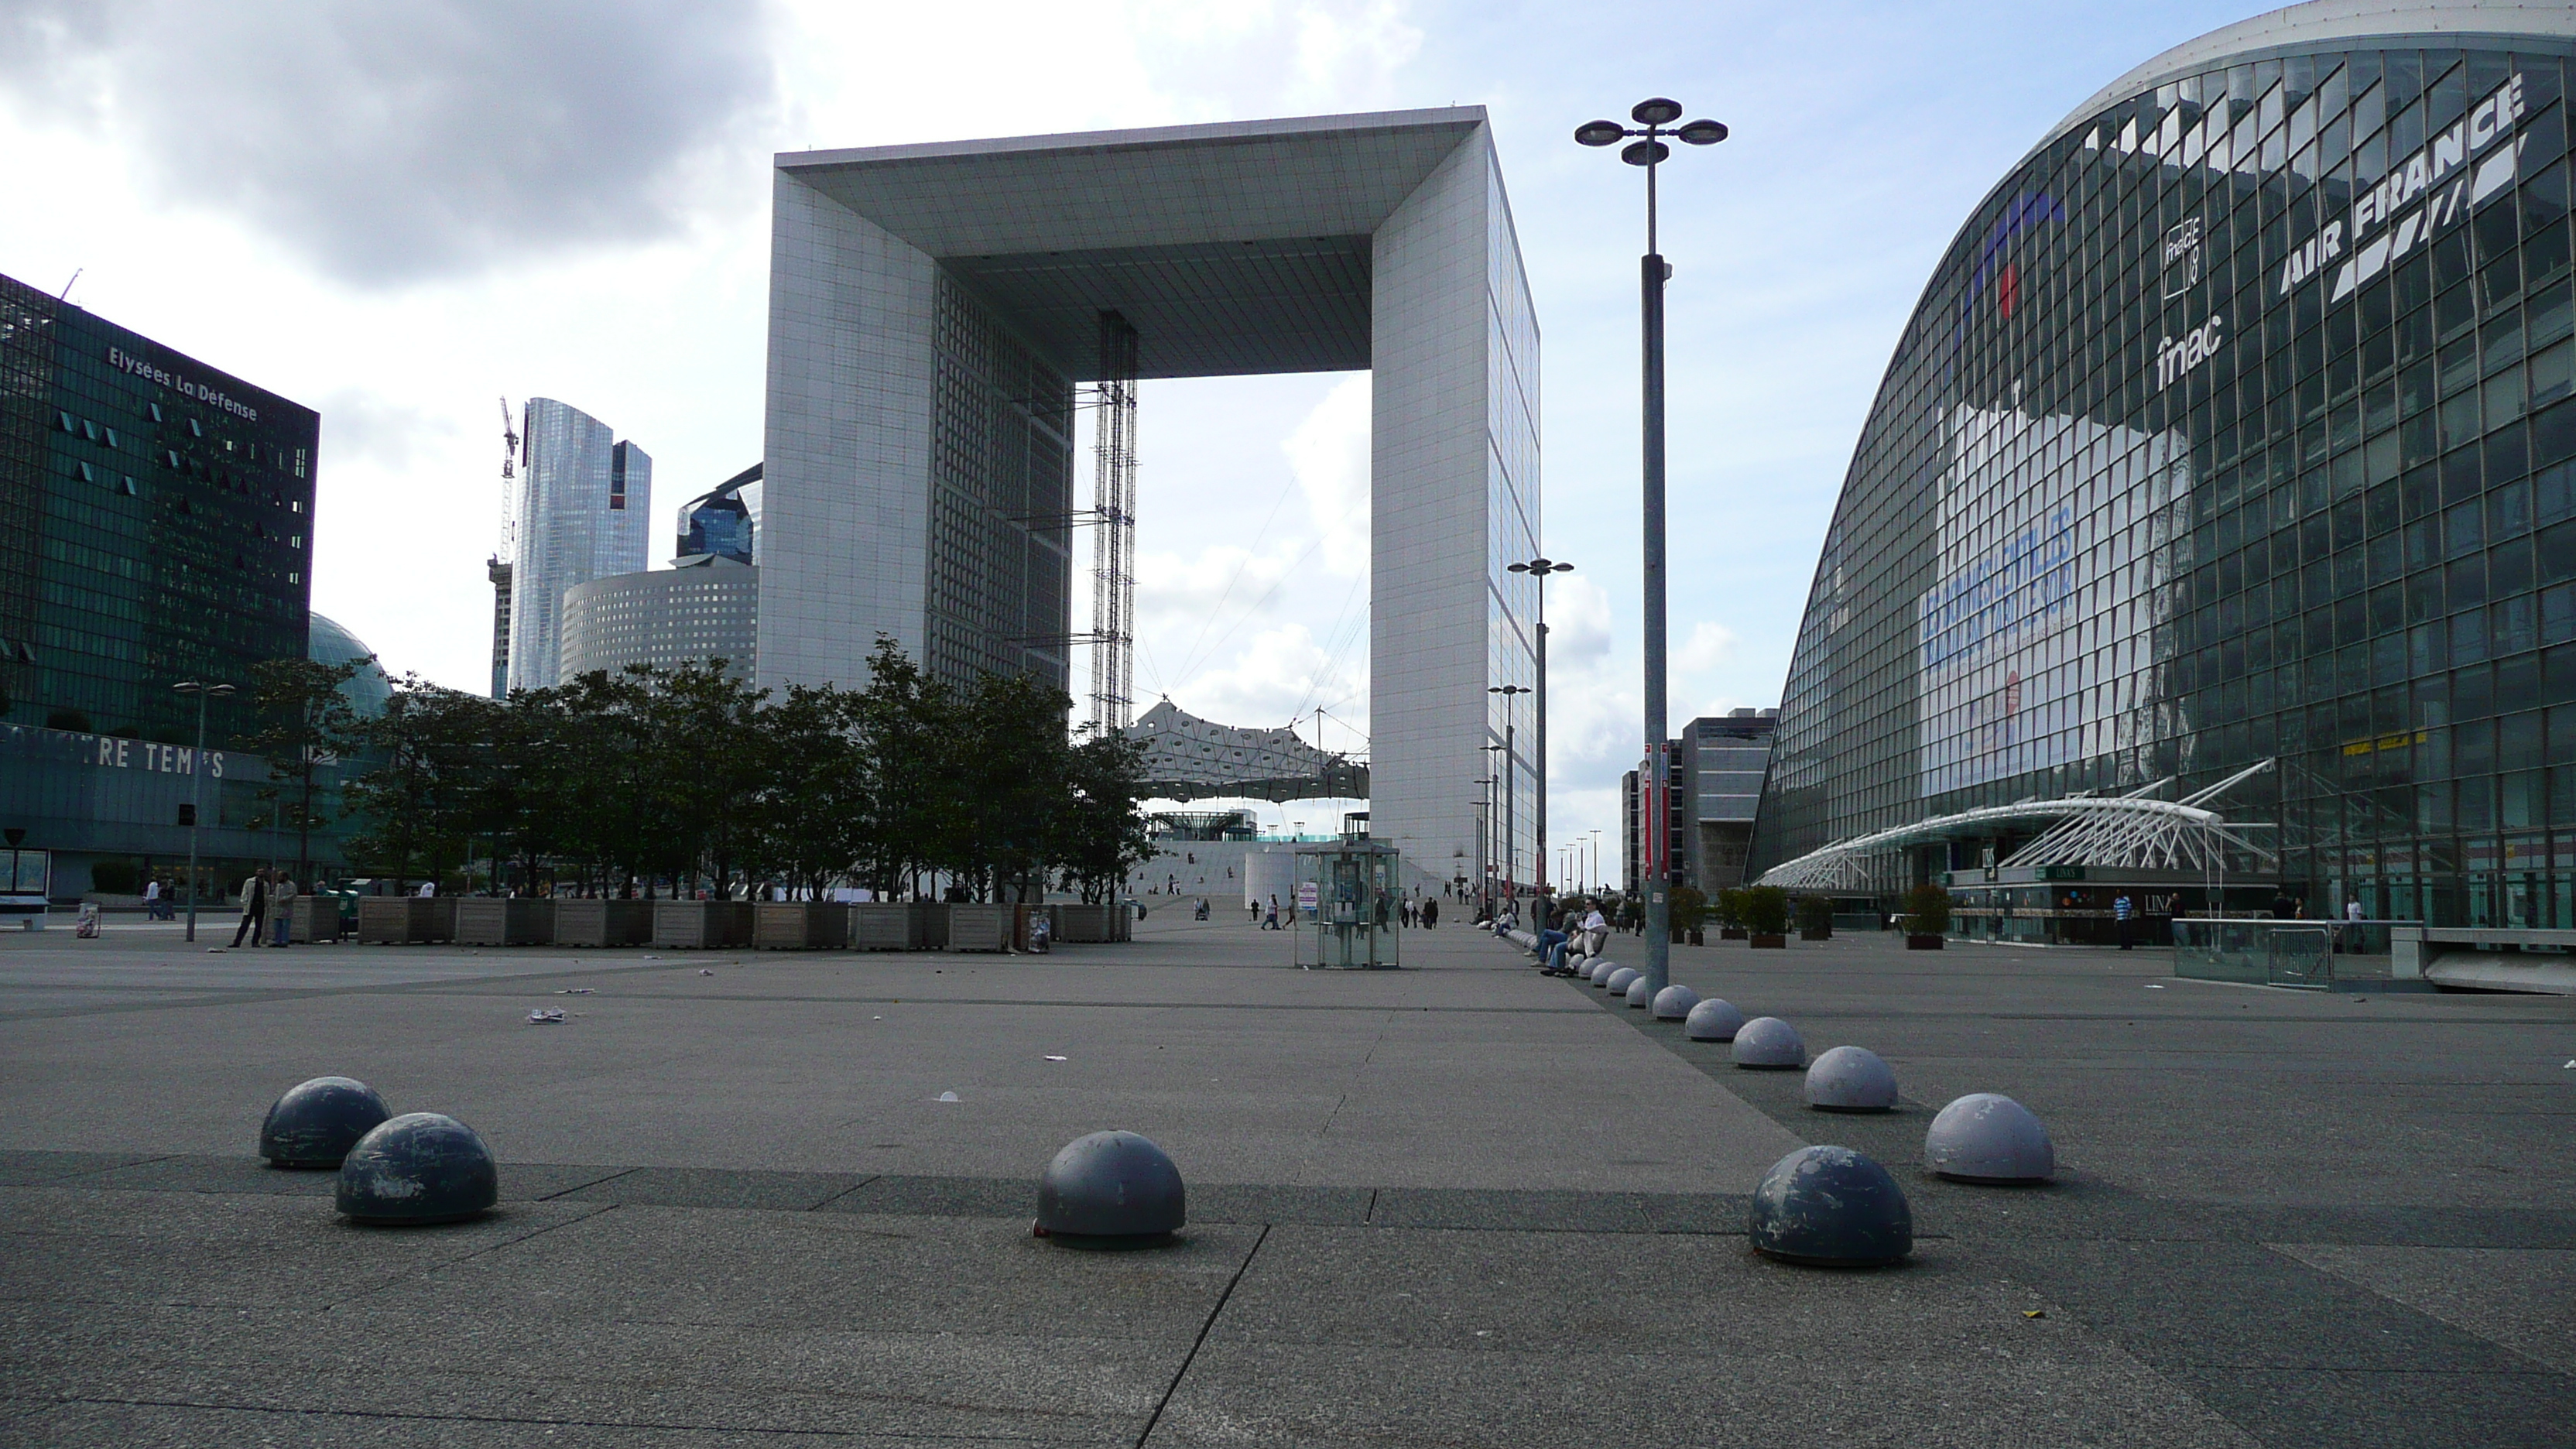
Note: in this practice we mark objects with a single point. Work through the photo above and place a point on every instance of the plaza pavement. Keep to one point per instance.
(1457, 1205)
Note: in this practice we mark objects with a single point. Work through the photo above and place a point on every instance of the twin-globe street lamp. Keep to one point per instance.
(196, 782)
(1540, 569)
(1648, 150)
(1510, 846)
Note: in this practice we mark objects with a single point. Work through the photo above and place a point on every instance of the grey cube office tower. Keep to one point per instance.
(932, 308)
(584, 511)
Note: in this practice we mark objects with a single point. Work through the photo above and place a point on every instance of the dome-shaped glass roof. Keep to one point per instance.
(368, 690)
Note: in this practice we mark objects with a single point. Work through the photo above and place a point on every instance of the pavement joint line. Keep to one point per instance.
(485, 1251)
(594, 1182)
(673, 1425)
(1199, 1342)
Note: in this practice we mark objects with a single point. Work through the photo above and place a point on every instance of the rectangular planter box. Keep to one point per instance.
(1923, 943)
(581, 922)
(1826, 934)
(314, 918)
(930, 925)
(1086, 925)
(1769, 943)
(504, 921)
(701, 925)
(800, 925)
(977, 927)
(1730, 933)
(884, 926)
(399, 920)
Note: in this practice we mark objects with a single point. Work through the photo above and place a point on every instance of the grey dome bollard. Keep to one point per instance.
(1987, 1137)
(1851, 1079)
(1768, 1044)
(1715, 1019)
(1111, 1190)
(1831, 1207)
(317, 1122)
(418, 1168)
(1675, 1002)
(1620, 979)
(1640, 992)
(1599, 969)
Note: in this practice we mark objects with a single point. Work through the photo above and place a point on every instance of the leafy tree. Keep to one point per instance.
(306, 726)
(1103, 835)
(808, 819)
(413, 802)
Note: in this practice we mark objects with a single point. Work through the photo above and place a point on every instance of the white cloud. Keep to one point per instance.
(392, 140)
(1710, 646)
(1329, 452)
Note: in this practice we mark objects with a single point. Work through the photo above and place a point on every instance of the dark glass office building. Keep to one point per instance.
(2234, 426)
(156, 520)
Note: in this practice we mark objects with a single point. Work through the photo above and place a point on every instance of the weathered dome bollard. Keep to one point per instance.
(1768, 1044)
(1715, 1019)
(418, 1168)
(1111, 1190)
(1830, 1207)
(1851, 1079)
(1987, 1137)
(317, 1122)
(1640, 992)
(1599, 969)
(1620, 980)
(1675, 1002)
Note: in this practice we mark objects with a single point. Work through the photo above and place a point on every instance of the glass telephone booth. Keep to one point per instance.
(1347, 898)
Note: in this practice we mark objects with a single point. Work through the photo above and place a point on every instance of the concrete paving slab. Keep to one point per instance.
(2523, 1299)
(1305, 1395)
(67, 1245)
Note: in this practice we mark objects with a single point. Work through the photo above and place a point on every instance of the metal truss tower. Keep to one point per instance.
(1113, 572)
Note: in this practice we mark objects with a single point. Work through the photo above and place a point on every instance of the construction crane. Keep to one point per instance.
(509, 494)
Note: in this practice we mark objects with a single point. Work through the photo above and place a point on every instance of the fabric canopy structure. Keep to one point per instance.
(1188, 758)
(2119, 832)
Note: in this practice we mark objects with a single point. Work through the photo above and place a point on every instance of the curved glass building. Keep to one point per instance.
(2233, 433)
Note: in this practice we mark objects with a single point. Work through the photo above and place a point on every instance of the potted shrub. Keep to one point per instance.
(1730, 915)
(1927, 916)
(1815, 918)
(1766, 918)
(1686, 912)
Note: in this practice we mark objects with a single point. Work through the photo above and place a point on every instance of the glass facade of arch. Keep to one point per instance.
(2236, 424)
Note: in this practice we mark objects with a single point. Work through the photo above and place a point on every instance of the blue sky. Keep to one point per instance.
(398, 213)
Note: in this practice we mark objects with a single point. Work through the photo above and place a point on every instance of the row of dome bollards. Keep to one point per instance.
(1831, 1206)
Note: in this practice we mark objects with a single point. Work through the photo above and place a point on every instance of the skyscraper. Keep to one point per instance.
(724, 521)
(156, 524)
(585, 504)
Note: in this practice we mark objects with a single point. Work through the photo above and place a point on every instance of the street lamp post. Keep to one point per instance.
(1648, 150)
(1510, 852)
(1484, 813)
(196, 782)
(1540, 570)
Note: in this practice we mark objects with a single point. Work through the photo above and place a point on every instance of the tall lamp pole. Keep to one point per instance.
(1648, 150)
(196, 782)
(1510, 853)
(1540, 570)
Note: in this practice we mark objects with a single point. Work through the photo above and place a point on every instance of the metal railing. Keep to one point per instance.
(2265, 951)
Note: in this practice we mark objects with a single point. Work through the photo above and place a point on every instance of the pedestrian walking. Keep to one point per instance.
(2122, 917)
(1430, 914)
(254, 907)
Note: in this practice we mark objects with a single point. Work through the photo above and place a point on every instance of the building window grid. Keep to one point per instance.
(2292, 481)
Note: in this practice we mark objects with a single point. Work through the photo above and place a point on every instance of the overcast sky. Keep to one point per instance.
(400, 213)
